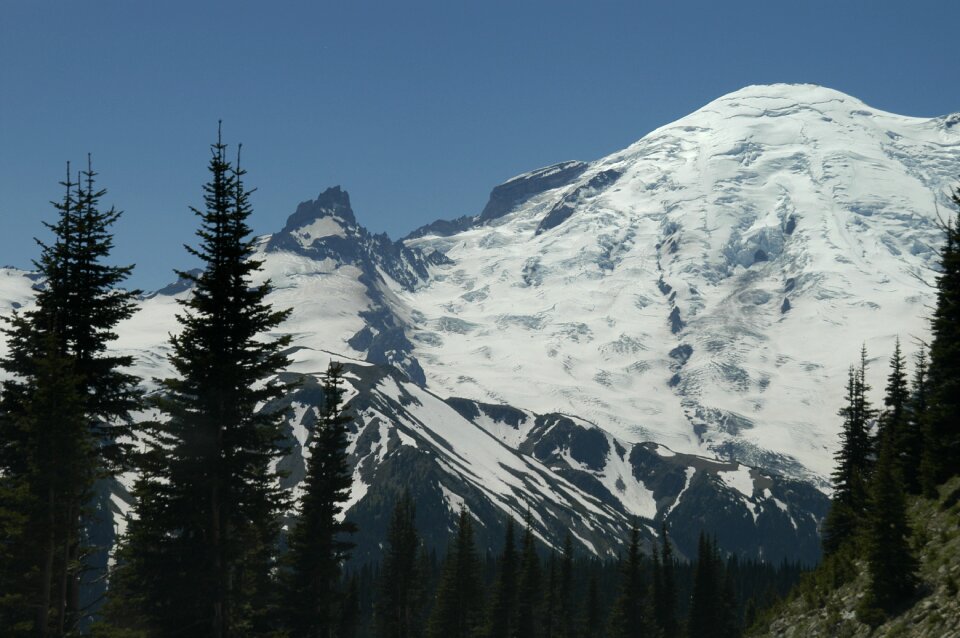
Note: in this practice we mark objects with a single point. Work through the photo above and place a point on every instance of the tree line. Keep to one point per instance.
(210, 548)
(907, 447)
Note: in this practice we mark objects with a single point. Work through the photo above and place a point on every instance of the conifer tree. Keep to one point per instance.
(317, 547)
(566, 627)
(503, 604)
(550, 606)
(943, 453)
(72, 322)
(592, 621)
(891, 564)
(713, 603)
(631, 617)
(893, 420)
(399, 612)
(458, 610)
(199, 554)
(528, 592)
(665, 589)
(916, 430)
(854, 463)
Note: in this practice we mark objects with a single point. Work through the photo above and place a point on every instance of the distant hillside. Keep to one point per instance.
(817, 608)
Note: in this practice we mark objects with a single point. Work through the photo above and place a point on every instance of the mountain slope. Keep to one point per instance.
(706, 287)
(584, 343)
(933, 613)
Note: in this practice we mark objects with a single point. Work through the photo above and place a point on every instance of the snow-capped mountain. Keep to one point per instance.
(706, 287)
(580, 348)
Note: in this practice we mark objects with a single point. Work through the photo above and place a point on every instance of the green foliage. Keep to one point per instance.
(854, 463)
(890, 560)
(399, 610)
(632, 614)
(942, 454)
(529, 609)
(502, 619)
(312, 598)
(200, 552)
(665, 589)
(713, 603)
(458, 610)
(64, 402)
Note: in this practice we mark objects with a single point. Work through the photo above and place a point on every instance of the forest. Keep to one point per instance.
(215, 548)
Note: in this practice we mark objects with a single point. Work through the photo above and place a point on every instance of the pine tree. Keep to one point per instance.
(943, 453)
(458, 610)
(891, 564)
(916, 430)
(529, 618)
(399, 612)
(665, 589)
(631, 616)
(854, 464)
(72, 322)
(199, 555)
(317, 546)
(566, 627)
(893, 420)
(503, 605)
(592, 620)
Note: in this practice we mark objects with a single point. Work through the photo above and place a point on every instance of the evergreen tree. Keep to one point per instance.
(199, 554)
(550, 605)
(854, 463)
(317, 547)
(566, 627)
(350, 619)
(701, 620)
(916, 430)
(72, 322)
(399, 612)
(503, 605)
(56, 480)
(665, 589)
(529, 619)
(893, 420)
(592, 624)
(943, 453)
(458, 610)
(891, 564)
(631, 617)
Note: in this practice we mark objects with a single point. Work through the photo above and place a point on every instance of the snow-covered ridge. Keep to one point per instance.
(613, 327)
(707, 286)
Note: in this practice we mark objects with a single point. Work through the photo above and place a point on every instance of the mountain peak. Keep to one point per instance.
(333, 202)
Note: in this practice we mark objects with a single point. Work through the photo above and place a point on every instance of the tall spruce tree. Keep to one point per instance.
(713, 604)
(893, 419)
(854, 462)
(458, 609)
(199, 554)
(502, 620)
(891, 563)
(317, 544)
(529, 616)
(631, 616)
(591, 624)
(72, 322)
(943, 453)
(915, 432)
(665, 589)
(399, 611)
(566, 627)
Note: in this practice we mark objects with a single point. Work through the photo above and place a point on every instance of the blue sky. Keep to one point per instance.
(417, 108)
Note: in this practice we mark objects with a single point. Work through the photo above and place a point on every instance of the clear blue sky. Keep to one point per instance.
(416, 108)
